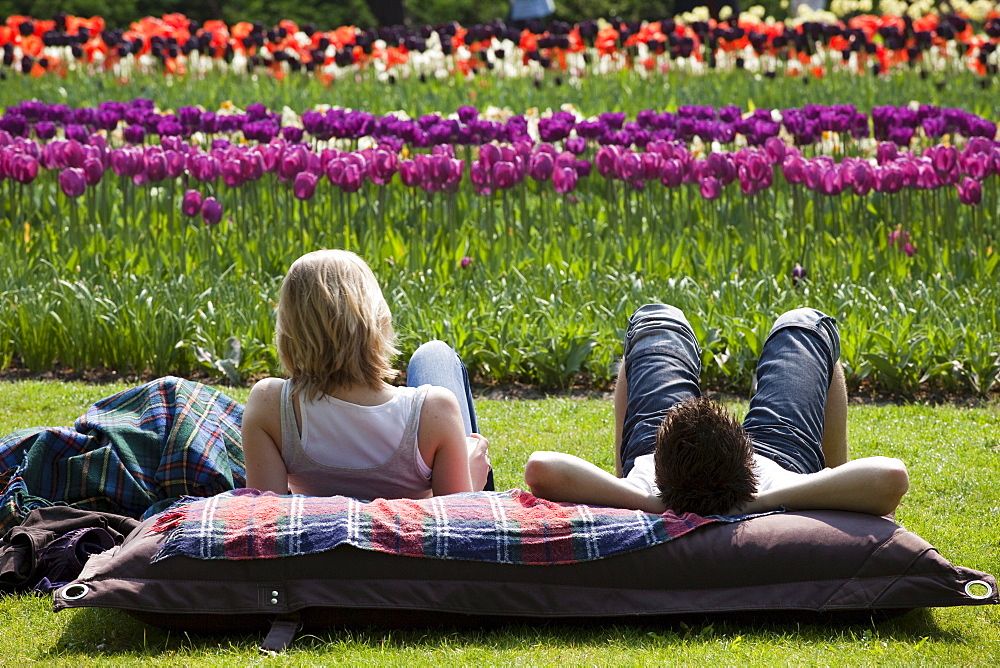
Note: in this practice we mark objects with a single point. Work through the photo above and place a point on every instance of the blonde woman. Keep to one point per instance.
(336, 426)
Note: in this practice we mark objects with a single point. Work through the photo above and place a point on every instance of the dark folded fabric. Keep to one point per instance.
(53, 543)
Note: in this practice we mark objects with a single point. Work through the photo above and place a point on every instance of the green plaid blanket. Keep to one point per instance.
(133, 453)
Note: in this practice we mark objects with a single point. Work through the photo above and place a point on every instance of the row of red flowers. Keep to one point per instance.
(39, 45)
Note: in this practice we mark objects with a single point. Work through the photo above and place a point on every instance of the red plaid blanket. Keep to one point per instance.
(511, 527)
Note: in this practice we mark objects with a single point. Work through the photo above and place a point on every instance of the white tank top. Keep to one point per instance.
(339, 433)
(365, 452)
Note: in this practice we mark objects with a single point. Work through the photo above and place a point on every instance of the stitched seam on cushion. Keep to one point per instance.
(856, 579)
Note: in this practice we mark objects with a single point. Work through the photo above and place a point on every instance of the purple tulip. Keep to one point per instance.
(747, 185)
(970, 191)
(304, 185)
(927, 177)
(862, 178)
(191, 203)
(710, 187)
(606, 161)
(651, 165)
(73, 182)
(465, 262)
(45, 130)
(155, 166)
(176, 163)
(52, 156)
(813, 174)
(794, 169)
(886, 152)
(76, 132)
(576, 145)
(540, 167)
(211, 211)
(672, 173)
(900, 239)
(126, 162)
(479, 174)
(756, 173)
(564, 180)
(353, 178)
(889, 179)
(628, 167)
(292, 134)
(504, 175)
(722, 166)
(975, 165)
(98, 142)
(93, 171)
(383, 165)
(24, 168)
(467, 114)
(134, 134)
(447, 172)
(252, 166)
(292, 162)
(314, 165)
(945, 162)
(201, 166)
(798, 273)
(409, 173)
(565, 159)
(169, 127)
(232, 173)
(489, 154)
(831, 183)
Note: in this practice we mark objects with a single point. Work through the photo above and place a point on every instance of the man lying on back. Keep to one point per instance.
(677, 450)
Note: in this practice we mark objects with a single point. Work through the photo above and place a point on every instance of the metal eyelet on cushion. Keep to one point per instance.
(73, 592)
(974, 584)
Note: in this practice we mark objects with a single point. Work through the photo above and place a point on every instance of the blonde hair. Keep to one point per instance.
(334, 327)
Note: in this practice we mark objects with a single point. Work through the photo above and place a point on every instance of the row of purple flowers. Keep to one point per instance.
(140, 121)
(176, 163)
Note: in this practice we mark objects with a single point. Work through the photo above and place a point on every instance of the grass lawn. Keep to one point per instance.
(953, 456)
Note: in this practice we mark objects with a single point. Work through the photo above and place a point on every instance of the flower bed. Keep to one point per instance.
(176, 45)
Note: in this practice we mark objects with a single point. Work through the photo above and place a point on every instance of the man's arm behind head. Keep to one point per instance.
(873, 485)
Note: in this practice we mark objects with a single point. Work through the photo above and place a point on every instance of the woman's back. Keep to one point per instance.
(362, 451)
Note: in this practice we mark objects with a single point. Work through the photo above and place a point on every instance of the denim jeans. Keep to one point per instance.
(436, 363)
(785, 422)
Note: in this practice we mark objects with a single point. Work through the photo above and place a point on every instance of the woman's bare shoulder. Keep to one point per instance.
(266, 391)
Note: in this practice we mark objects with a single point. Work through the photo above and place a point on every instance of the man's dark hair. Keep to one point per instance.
(704, 459)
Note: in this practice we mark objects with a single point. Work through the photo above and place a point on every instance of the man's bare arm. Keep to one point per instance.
(557, 476)
(871, 485)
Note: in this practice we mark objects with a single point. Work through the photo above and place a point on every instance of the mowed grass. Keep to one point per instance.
(953, 454)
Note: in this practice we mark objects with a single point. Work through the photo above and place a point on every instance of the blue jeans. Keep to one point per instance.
(436, 363)
(662, 364)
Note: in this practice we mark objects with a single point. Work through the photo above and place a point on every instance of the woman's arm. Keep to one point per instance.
(443, 443)
(871, 485)
(557, 476)
(262, 438)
